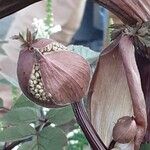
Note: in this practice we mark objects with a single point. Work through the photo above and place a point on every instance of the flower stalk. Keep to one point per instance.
(82, 118)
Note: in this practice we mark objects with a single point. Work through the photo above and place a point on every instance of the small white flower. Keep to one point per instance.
(55, 29)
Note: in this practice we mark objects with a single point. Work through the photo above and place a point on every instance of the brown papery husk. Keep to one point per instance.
(24, 68)
(109, 89)
(109, 95)
(66, 76)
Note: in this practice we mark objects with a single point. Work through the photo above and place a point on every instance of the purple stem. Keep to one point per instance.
(87, 127)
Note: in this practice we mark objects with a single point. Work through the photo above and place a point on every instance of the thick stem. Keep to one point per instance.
(86, 126)
(14, 144)
(133, 78)
(121, 13)
(112, 144)
(8, 7)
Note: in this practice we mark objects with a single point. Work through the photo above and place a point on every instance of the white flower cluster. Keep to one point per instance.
(43, 30)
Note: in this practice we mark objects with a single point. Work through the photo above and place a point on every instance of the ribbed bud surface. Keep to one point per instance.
(124, 130)
(50, 75)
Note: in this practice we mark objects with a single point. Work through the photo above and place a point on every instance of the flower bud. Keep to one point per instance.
(124, 130)
(49, 75)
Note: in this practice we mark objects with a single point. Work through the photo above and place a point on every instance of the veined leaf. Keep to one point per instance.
(23, 101)
(48, 139)
(16, 133)
(60, 116)
(90, 55)
(22, 115)
(145, 147)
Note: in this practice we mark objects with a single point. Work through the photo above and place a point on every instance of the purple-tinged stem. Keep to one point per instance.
(9, 7)
(87, 127)
(127, 51)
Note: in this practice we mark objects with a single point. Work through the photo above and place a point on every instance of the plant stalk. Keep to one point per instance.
(112, 144)
(87, 127)
(9, 7)
(127, 52)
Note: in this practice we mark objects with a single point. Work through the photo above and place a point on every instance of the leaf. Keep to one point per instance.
(60, 116)
(1, 102)
(48, 139)
(28, 146)
(6, 95)
(1, 146)
(145, 40)
(23, 101)
(16, 133)
(16, 92)
(10, 79)
(20, 115)
(90, 55)
(145, 147)
(4, 81)
(53, 138)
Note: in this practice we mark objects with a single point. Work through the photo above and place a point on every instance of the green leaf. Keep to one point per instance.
(2, 146)
(1, 102)
(33, 145)
(145, 147)
(28, 146)
(4, 81)
(16, 133)
(53, 138)
(20, 115)
(23, 101)
(60, 116)
(48, 139)
(16, 93)
(9, 79)
(90, 55)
